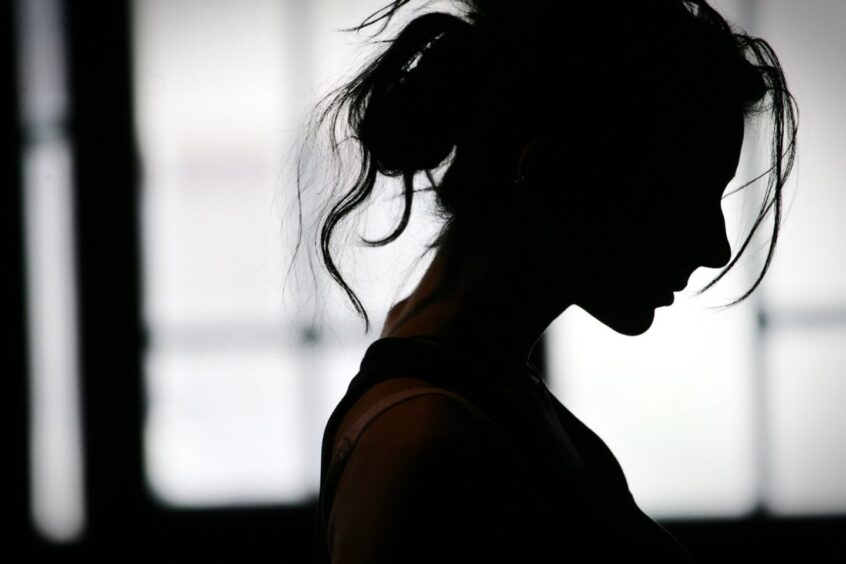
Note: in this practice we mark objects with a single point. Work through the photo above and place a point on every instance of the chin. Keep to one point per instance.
(630, 321)
(633, 328)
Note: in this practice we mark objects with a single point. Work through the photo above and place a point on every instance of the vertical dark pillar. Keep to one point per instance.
(106, 224)
(15, 390)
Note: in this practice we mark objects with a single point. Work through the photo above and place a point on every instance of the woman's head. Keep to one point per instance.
(586, 142)
(629, 237)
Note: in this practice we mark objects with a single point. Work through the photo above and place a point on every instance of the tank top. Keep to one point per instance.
(582, 510)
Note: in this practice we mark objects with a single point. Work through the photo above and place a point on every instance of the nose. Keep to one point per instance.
(716, 251)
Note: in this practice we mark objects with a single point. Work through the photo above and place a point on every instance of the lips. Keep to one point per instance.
(680, 283)
(662, 296)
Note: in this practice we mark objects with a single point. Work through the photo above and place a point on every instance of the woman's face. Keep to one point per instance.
(651, 221)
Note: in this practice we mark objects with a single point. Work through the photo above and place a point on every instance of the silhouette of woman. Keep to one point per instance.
(585, 147)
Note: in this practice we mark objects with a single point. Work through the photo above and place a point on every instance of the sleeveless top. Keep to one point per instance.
(582, 507)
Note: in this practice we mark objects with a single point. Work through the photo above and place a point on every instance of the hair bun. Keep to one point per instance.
(405, 129)
(411, 123)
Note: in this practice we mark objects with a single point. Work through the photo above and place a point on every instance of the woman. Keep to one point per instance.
(585, 149)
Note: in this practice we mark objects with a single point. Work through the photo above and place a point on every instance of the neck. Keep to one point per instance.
(496, 312)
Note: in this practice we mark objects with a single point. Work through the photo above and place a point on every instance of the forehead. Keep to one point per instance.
(713, 129)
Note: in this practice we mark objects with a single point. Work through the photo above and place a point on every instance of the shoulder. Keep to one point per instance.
(426, 468)
(426, 428)
(414, 412)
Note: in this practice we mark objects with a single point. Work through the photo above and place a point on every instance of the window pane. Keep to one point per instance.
(225, 426)
(211, 94)
(807, 391)
(806, 295)
(808, 36)
(225, 420)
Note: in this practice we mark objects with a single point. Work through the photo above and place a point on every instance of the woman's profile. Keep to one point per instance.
(578, 154)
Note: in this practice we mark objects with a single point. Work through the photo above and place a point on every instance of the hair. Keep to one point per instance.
(478, 86)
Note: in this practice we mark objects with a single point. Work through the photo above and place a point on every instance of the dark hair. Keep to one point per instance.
(449, 85)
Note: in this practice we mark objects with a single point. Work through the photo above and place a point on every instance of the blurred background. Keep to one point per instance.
(163, 393)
